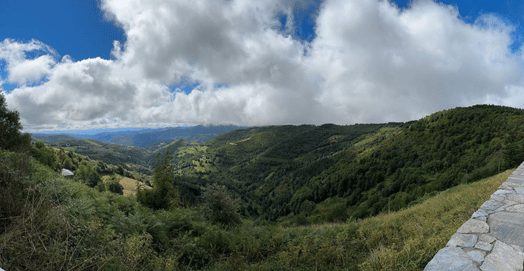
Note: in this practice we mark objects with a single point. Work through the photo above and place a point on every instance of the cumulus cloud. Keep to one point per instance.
(21, 69)
(379, 63)
(369, 62)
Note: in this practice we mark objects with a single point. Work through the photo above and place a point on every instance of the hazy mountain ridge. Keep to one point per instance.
(154, 138)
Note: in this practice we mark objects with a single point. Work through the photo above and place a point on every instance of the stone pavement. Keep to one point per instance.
(493, 238)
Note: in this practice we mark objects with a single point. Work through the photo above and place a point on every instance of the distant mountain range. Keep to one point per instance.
(150, 139)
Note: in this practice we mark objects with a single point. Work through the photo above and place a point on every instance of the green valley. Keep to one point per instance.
(358, 170)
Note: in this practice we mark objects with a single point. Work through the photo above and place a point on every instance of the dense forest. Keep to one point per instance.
(329, 197)
(332, 173)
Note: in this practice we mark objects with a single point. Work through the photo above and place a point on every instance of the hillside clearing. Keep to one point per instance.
(130, 186)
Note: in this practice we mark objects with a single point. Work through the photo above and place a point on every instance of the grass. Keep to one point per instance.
(130, 185)
(192, 150)
(409, 239)
(403, 240)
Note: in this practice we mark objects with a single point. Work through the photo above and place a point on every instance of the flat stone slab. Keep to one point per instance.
(474, 226)
(518, 208)
(451, 258)
(503, 258)
(515, 198)
(497, 197)
(515, 179)
(491, 205)
(508, 227)
(484, 246)
(503, 192)
(487, 238)
(462, 240)
(520, 190)
(476, 256)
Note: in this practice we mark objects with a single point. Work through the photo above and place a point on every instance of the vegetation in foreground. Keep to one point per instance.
(51, 223)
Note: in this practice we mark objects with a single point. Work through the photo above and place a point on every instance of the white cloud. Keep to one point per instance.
(30, 71)
(22, 69)
(369, 62)
(386, 64)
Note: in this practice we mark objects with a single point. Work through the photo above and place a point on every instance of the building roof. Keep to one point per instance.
(67, 173)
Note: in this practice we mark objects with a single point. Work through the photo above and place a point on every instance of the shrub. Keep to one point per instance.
(116, 188)
(219, 207)
(45, 155)
(87, 175)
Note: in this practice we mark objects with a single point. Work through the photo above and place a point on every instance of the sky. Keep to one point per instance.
(98, 64)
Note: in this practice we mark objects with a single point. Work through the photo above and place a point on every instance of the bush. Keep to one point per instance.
(45, 155)
(87, 175)
(219, 207)
(116, 188)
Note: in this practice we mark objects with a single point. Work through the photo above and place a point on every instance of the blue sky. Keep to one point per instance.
(75, 28)
(200, 64)
(79, 29)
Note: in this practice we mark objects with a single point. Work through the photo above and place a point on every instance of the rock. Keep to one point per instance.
(491, 205)
(519, 190)
(518, 248)
(515, 180)
(479, 213)
(474, 226)
(505, 187)
(519, 208)
(503, 258)
(502, 192)
(451, 258)
(477, 256)
(515, 198)
(462, 240)
(497, 197)
(501, 209)
(487, 238)
(484, 246)
(507, 227)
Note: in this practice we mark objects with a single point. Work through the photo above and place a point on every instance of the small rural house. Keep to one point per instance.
(66, 173)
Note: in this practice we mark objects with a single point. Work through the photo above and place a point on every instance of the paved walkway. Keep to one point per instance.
(493, 238)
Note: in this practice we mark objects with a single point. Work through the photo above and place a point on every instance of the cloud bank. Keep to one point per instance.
(369, 62)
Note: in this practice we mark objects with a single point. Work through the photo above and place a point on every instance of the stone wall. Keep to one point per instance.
(493, 238)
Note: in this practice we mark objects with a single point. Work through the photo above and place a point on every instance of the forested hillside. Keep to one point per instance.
(332, 172)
